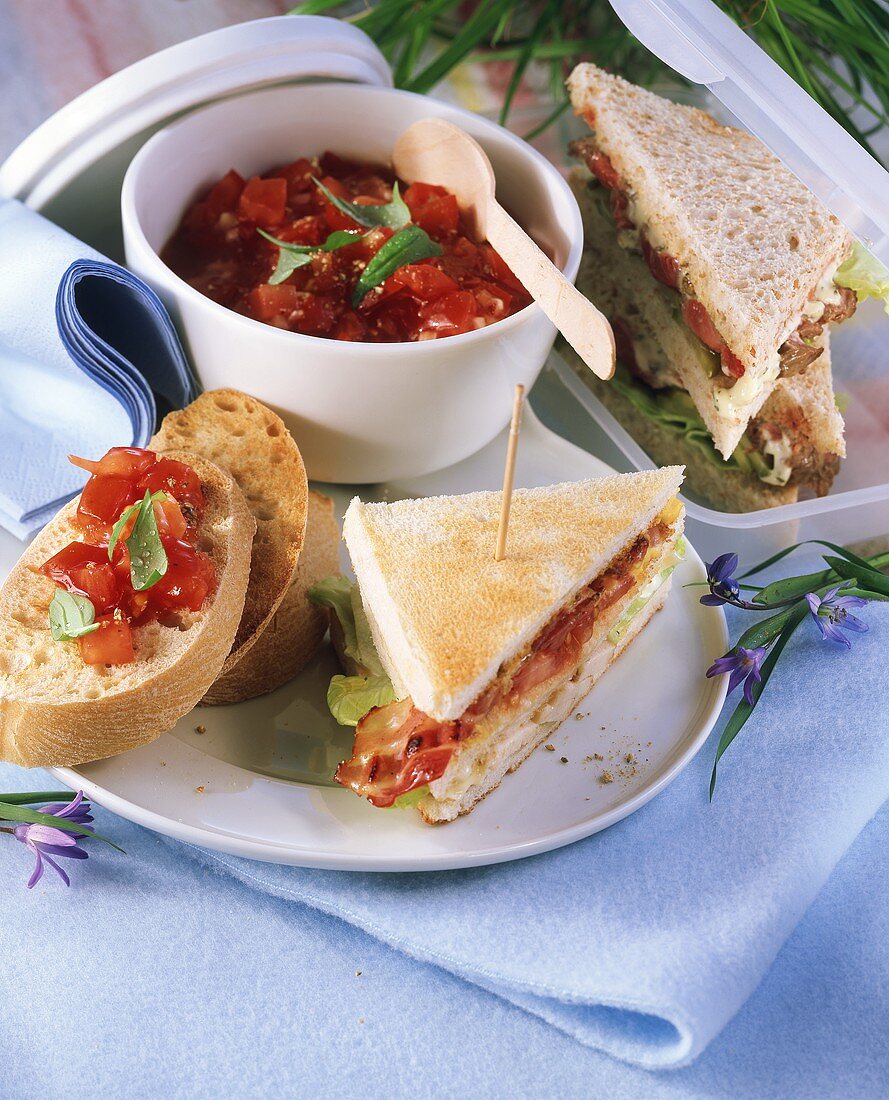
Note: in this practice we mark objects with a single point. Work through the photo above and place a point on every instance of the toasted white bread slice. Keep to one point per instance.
(445, 615)
(616, 281)
(55, 710)
(297, 627)
(752, 239)
(481, 763)
(242, 436)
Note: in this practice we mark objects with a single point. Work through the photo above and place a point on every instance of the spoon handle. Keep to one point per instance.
(574, 315)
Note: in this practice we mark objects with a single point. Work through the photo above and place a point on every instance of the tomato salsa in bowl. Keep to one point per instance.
(387, 380)
(225, 247)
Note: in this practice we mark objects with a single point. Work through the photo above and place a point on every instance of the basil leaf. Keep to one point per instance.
(148, 559)
(407, 247)
(125, 517)
(392, 215)
(288, 262)
(293, 256)
(71, 616)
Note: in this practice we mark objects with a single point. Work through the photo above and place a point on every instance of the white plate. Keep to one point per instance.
(257, 782)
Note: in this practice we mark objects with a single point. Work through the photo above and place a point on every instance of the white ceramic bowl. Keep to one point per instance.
(360, 412)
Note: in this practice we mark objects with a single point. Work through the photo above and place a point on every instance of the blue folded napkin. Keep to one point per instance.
(85, 350)
(644, 940)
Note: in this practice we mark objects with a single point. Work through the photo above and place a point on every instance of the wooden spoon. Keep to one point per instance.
(435, 151)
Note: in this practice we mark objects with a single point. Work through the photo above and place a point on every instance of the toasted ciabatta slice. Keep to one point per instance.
(297, 628)
(751, 239)
(55, 710)
(241, 435)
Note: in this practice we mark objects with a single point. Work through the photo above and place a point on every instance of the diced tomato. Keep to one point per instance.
(701, 324)
(111, 644)
(418, 194)
(221, 255)
(350, 327)
(661, 264)
(731, 364)
(72, 556)
(170, 520)
(298, 176)
(118, 462)
(604, 170)
(267, 302)
(451, 314)
(620, 206)
(102, 501)
(439, 217)
(424, 281)
(225, 194)
(177, 479)
(264, 201)
(189, 578)
(335, 217)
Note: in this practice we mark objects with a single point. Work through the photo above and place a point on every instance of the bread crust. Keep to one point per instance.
(57, 711)
(297, 628)
(243, 436)
(533, 729)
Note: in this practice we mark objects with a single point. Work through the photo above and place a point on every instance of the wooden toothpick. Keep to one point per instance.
(509, 472)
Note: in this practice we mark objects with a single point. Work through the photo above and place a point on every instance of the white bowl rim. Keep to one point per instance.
(132, 224)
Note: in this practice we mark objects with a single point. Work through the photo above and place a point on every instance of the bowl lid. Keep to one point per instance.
(143, 97)
(704, 45)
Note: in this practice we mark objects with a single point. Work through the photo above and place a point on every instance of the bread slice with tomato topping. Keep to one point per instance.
(486, 658)
(57, 707)
(296, 539)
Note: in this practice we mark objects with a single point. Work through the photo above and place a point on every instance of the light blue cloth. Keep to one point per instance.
(677, 912)
(645, 940)
(152, 978)
(84, 343)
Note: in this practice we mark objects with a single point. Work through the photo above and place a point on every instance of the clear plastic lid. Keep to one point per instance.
(704, 45)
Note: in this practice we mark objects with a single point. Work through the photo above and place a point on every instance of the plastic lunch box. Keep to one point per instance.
(71, 168)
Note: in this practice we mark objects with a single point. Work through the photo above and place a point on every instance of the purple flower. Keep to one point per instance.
(742, 664)
(832, 615)
(723, 586)
(46, 841)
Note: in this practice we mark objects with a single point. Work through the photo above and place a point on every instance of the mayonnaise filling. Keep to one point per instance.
(780, 451)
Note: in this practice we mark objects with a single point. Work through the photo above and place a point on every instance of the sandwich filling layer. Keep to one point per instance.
(828, 302)
(778, 446)
(399, 749)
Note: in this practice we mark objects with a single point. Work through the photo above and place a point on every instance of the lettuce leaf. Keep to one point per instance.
(407, 801)
(351, 697)
(675, 411)
(864, 274)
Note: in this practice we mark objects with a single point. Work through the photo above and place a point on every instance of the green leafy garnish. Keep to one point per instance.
(391, 215)
(148, 559)
(864, 274)
(351, 697)
(411, 798)
(71, 616)
(336, 593)
(292, 256)
(407, 246)
(125, 517)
